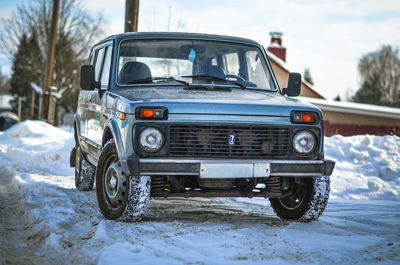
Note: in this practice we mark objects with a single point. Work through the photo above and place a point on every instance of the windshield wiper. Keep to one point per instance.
(206, 87)
(188, 86)
(157, 78)
(143, 80)
(215, 78)
(170, 78)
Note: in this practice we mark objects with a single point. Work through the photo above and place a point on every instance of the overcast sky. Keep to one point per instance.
(326, 36)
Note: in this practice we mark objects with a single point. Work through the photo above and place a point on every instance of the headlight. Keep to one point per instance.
(151, 140)
(304, 142)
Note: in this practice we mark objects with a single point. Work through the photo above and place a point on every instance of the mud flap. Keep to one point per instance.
(72, 157)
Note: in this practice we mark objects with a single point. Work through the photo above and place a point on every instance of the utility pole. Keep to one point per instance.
(131, 15)
(48, 101)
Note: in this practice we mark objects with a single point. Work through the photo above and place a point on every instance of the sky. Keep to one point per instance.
(328, 37)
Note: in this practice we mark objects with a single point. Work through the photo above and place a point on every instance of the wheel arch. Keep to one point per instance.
(111, 131)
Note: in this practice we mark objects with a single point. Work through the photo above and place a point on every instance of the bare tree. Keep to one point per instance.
(175, 21)
(75, 23)
(77, 30)
(380, 78)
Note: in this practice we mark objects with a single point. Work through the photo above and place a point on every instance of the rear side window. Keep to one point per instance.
(105, 73)
(98, 62)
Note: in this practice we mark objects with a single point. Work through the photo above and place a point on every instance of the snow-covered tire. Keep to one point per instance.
(308, 201)
(120, 197)
(84, 172)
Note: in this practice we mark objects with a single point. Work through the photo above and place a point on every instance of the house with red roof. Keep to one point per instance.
(344, 118)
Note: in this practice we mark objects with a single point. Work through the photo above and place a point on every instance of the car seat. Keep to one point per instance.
(134, 71)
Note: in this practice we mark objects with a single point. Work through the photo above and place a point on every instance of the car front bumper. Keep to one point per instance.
(228, 168)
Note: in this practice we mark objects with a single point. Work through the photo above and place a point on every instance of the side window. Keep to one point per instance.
(105, 73)
(256, 70)
(98, 62)
(91, 58)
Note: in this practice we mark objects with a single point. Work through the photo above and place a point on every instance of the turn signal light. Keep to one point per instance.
(120, 115)
(299, 117)
(148, 113)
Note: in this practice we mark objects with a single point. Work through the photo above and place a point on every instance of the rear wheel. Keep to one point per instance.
(307, 202)
(120, 196)
(84, 172)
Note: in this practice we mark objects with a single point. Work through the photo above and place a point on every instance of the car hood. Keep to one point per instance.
(235, 102)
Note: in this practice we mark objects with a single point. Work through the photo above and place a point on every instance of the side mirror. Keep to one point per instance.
(294, 85)
(88, 81)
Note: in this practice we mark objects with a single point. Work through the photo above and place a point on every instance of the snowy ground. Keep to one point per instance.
(44, 220)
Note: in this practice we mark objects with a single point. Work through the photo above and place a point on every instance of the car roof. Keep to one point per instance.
(178, 35)
(9, 115)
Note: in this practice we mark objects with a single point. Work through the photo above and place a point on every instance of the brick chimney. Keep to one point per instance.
(276, 45)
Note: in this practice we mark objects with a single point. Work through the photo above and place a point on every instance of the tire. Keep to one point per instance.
(120, 197)
(84, 172)
(308, 201)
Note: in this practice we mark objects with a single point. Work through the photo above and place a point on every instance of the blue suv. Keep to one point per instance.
(195, 115)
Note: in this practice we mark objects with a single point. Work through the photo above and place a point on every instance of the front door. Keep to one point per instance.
(91, 105)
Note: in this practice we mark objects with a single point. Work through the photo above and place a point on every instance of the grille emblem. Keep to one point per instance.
(231, 139)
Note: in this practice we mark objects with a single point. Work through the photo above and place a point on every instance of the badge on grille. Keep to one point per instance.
(231, 139)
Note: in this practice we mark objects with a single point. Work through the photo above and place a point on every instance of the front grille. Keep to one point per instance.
(229, 141)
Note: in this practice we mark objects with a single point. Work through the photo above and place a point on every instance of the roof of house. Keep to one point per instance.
(10, 115)
(354, 108)
(340, 106)
(285, 67)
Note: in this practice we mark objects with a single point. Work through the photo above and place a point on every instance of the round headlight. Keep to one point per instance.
(151, 140)
(304, 142)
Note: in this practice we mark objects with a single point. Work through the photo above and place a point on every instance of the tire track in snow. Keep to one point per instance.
(18, 241)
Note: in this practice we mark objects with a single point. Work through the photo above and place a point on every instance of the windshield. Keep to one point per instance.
(192, 62)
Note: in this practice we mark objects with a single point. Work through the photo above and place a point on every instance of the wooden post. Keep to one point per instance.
(19, 108)
(33, 104)
(131, 15)
(46, 114)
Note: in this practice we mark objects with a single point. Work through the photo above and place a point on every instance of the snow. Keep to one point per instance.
(367, 167)
(5, 102)
(44, 219)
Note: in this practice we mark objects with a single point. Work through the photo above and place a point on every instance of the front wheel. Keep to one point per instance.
(120, 197)
(307, 202)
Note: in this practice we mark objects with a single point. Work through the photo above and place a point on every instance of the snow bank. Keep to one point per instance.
(63, 225)
(37, 145)
(367, 167)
